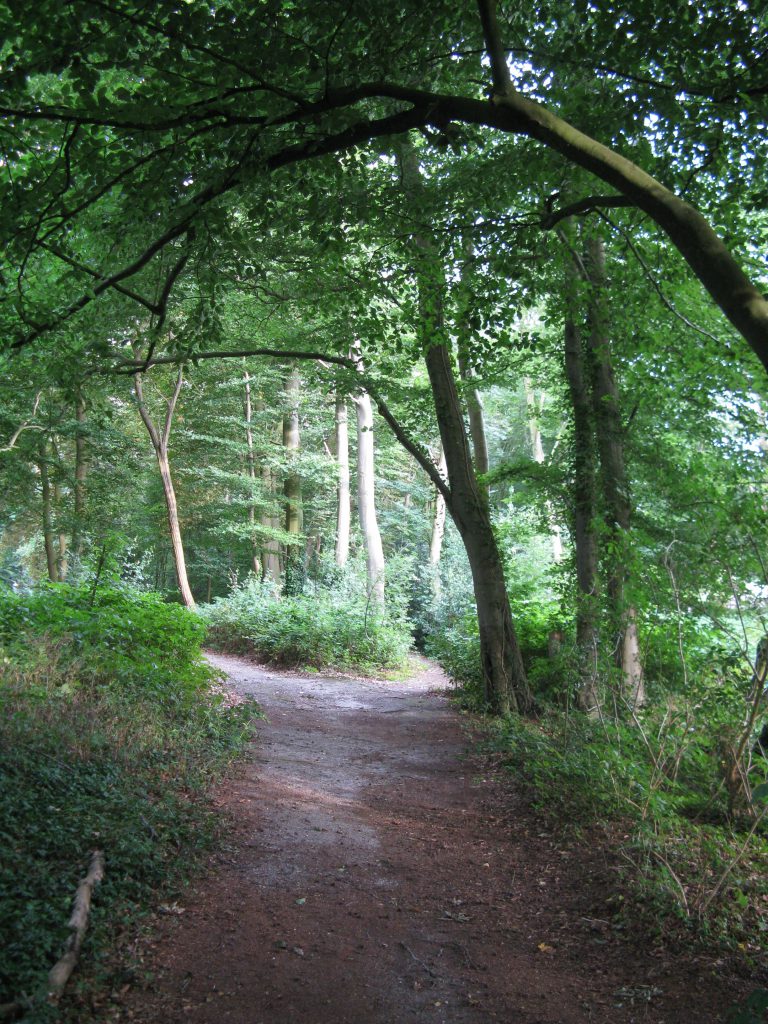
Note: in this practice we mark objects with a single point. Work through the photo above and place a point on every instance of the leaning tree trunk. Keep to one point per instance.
(610, 442)
(160, 438)
(584, 502)
(366, 499)
(504, 679)
(343, 509)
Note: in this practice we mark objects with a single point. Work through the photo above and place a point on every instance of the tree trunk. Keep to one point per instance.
(47, 496)
(584, 501)
(252, 474)
(63, 555)
(504, 679)
(270, 550)
(476, 418)
(505, 683)
(294, 582)
(438, 523)
(534, 408)
(366, 499)
(160, 439)
(610, 443)
(343, 509)
(81, 475)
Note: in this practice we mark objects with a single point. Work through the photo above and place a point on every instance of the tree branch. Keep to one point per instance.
(502, 83)
(586, 205)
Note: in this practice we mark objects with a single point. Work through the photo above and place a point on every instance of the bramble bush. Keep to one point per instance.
(112, 726)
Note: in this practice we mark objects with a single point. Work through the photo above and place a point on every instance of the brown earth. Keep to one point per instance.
(378, 877)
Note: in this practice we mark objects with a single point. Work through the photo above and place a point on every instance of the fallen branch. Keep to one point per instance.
(61, 972)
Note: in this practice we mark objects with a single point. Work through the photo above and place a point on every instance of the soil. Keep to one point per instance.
(380, 874)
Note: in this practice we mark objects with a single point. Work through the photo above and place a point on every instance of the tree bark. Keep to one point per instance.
(343, 508)
(160, 438)
(610, 443)
(584, 502)
(366, 499)
(476, 418)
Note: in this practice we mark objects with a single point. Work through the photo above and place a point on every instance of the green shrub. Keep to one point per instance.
(111, 728)
(319, 628)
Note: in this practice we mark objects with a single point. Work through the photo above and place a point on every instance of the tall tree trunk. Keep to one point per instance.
(81, 475)
(292, 484)
(584, 502)
(252, 473)
(438, 522)
(160, 438)
(366, 499)
(534, 408)
(63, 555)
(343, 508)
(51, 557)
(505, 683)
(270, 550)
(610, 443)
(438, 531)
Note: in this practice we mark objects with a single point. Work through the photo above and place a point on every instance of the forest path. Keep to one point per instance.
(375, 878)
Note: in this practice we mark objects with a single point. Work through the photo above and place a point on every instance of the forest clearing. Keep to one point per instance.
(346, 349)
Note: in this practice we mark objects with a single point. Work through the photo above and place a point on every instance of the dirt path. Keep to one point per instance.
(376, 879)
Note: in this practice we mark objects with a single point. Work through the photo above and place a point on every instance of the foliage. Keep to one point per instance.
(111, 729)
(655, 788)
(321, 628)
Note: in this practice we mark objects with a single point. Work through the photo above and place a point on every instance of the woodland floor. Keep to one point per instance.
(379, 874)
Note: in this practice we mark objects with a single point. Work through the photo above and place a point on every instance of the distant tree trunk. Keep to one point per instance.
(270, 550)
(81, 475)
(63, 555)
(292, 484)
(610, 442)
(584, 500)
(46, 490)
(343, 509)
(160, 439)
(533, 408)
(505, 683)
(252, 473)
(366, 498)
(438, 531)
(438, 522)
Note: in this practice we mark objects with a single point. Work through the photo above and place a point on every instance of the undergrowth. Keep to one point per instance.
(112, 727)
(321, 628)
(694, 867)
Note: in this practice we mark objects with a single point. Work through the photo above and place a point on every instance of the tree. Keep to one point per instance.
(160, 437)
